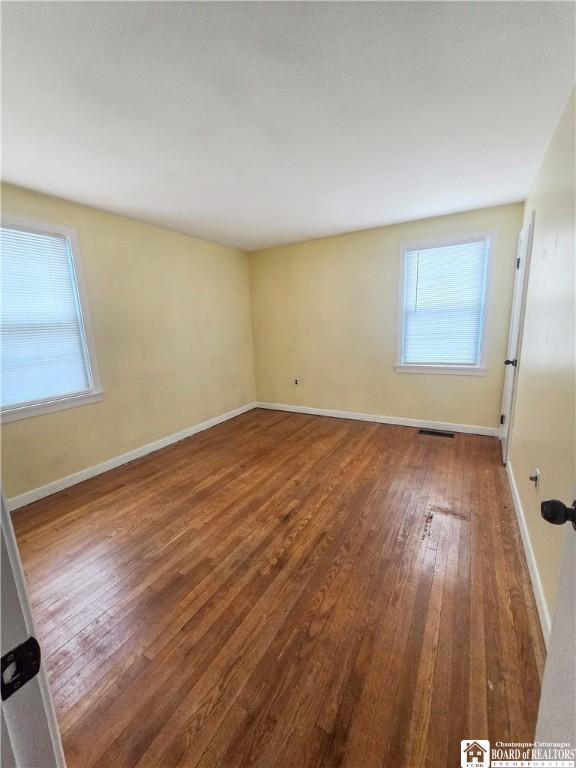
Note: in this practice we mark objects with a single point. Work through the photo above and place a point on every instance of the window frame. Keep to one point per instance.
(96, 391)
(456, 369)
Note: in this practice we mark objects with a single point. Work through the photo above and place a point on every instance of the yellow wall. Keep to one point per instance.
(327, 311)
(171, 319)
(544, 431)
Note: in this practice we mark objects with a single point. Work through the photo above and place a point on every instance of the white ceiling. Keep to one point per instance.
(255, 124)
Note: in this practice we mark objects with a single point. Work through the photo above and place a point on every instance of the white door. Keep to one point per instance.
(515, 334)
(557, 714)
(30, 736)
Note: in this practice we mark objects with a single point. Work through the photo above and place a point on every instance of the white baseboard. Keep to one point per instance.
(396, 420)
(84, 474)
(541, 604)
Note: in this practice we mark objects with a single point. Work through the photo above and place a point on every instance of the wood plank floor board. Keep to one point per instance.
(286, 591)
(333, 571)
(256, 688)
(263, 694)
(229, 595)
(136, 565)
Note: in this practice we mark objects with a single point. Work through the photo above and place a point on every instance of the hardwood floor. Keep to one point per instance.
(287, 590)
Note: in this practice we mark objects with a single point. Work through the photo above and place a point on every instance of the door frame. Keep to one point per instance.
(32, 705)
(517, 315)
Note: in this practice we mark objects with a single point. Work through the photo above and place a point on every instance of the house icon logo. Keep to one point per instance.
(475, 754)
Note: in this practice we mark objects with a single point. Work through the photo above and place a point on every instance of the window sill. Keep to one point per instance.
(47, 406)
(454, 370)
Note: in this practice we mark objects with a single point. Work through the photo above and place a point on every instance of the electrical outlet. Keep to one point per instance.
(296, 381)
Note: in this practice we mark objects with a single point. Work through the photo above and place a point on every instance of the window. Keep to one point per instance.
(443, 307)
(47, 357)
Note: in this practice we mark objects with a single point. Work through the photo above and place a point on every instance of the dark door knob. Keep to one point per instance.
(511, 362)
(557, 513)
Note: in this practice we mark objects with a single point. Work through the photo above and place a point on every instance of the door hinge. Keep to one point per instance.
(502, 418)
(518, 263)
(19, 666)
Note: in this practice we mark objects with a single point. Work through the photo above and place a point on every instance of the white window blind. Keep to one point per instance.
(444, 296)
(44, 352)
